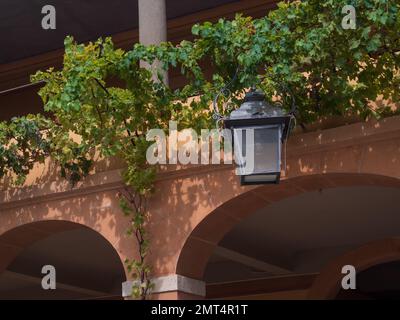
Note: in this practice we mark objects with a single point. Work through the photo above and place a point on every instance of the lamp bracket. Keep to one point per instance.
(217, 116)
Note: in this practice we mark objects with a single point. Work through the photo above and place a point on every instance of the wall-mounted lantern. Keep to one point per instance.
(259, 130)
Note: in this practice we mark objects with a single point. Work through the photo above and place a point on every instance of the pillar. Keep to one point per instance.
(152, 26)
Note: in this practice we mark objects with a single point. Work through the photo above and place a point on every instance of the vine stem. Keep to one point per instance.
(138, 204)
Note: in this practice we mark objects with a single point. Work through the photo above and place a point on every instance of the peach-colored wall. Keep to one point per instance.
(193, 208)
(196, 211)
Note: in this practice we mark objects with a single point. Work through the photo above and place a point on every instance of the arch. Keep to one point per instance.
(96, 210)
(328, 283)
(15, 243)
(15, 240)
(201, 242)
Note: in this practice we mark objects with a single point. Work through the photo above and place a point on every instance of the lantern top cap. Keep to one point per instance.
(254, 95)
(255, 106)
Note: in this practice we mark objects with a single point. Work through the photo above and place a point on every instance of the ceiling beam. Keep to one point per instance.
(38, 281)
(251, 262)
(248, 288)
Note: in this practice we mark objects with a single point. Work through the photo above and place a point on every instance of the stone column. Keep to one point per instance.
(152, 25)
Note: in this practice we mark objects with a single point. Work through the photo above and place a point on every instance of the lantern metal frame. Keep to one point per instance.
(258, 120)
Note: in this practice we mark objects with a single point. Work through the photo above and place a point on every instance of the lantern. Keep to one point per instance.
(258, 130)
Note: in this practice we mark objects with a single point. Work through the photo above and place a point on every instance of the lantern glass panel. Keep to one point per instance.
(258, 150)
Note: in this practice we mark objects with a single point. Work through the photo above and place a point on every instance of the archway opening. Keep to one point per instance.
(278, 249)
(86, 265)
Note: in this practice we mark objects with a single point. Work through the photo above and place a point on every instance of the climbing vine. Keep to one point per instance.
(102, 103)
